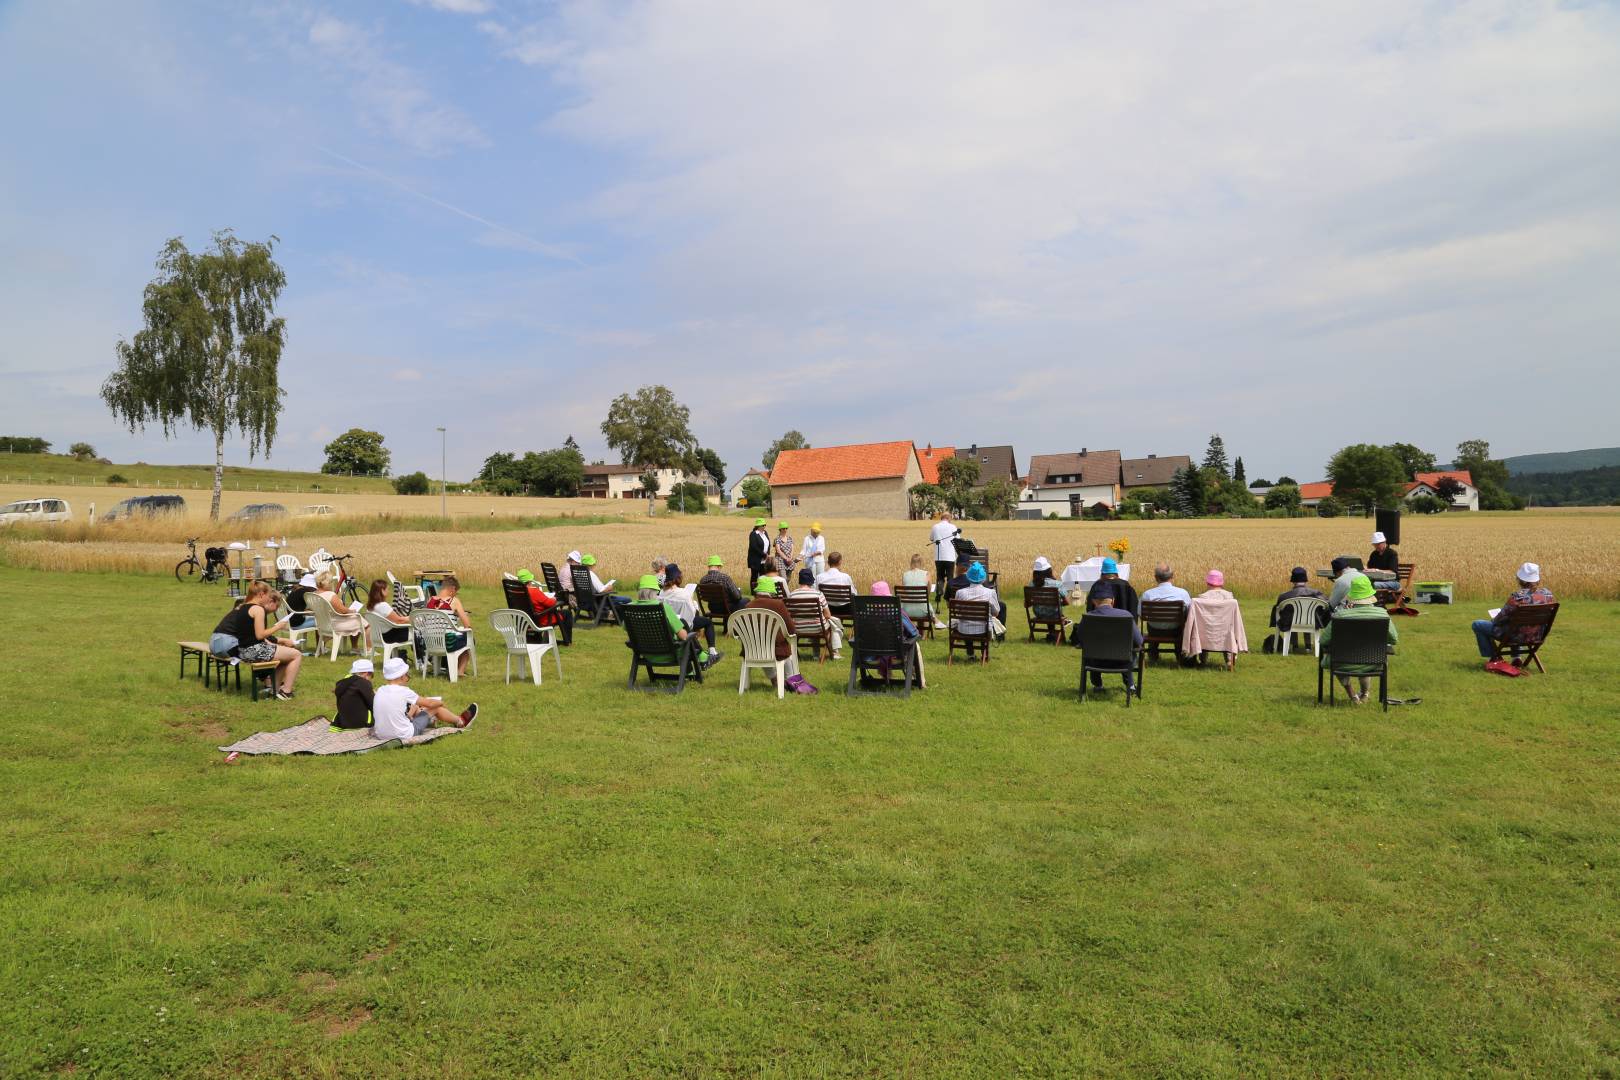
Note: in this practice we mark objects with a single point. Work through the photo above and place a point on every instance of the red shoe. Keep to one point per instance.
(1502, 667)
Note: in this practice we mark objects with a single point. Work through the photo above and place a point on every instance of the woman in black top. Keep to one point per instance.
(254, 640)
(1383, 556)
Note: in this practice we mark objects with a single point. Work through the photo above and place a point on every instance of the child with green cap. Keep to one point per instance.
(1360, 604)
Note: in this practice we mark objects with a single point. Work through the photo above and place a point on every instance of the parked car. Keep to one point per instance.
(257, 511)
(145, 506)
(33, 511)
(318, 510)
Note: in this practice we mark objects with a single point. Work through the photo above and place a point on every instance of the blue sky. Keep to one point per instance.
(1050, 224)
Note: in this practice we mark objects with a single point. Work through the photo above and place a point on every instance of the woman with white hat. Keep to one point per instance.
(1041, 578)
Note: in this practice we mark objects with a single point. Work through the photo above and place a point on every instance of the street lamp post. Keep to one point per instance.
(443, 512)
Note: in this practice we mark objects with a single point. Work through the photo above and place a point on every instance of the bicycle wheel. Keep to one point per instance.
(185, 568)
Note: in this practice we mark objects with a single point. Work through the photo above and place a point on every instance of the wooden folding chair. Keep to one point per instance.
(1525, 631)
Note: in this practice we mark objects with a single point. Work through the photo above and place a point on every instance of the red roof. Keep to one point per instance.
(928, 461)
(1319, 490)
(827, 464)
(1462, 476)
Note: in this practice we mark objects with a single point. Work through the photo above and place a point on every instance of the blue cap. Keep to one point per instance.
(976, 573)
(1110, 566)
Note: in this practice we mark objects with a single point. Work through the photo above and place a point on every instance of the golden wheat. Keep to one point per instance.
(1579, 553)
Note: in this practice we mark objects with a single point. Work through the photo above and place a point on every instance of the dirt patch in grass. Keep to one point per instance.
(347, 1025)
(197, 720)
(318, 982)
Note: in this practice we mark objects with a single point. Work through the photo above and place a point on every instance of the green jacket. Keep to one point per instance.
(1357, 611)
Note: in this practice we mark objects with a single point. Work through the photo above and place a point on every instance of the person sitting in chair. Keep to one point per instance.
(448, 598)
(565, 573)
(1383, 556)
(399, 713)
(1298, 585)
(807, 587)
(649, 594)
(1165, 587)
(1360, 604)
(834, 575)
(247, 634)
(548, 610)
(377, 603)
(603, 588)
(735, 601)
(353, 694)
(1344, 572)
(1530, 593)
(916, 576)
(678, 596)
(977, 590)
(765, 596)
(1041, 578)
(344, 621)
(1103, 604)
(1111, 584)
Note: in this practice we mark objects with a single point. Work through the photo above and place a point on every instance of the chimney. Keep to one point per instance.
(1152, 456)
(1082, 451)
(930, 450)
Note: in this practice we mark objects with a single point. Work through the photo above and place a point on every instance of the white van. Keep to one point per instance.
(35, 510)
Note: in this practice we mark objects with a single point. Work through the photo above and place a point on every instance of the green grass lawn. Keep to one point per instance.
(60, 468)
(990, 879)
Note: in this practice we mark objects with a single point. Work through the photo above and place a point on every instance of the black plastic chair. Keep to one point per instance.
(653, 645)
(554, 585)
(1360, 642)
(517, 598)
(1108, 646)
(878, 638)
(593, 606)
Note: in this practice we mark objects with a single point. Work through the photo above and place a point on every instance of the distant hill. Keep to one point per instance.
(1583, 487)
(60, 468)
(1568, 461)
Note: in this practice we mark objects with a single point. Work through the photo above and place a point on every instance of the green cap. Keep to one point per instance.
(766, 586)
(1361, 587)
(525, 577)
(759, 521)
(715, 560)
(589, 560)
(648, 581)
(781, 525)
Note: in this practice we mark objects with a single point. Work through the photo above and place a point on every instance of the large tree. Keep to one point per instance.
(1188, 491)
(1215, 457)
(1365, 476)
(210, 352)
(651, 428)
(958, 476)
(792, 440)
(756, 492)
(1284, 497)
(357, 451)
(82, 451)
(556, 473)
(998, 498)
(1413, 459)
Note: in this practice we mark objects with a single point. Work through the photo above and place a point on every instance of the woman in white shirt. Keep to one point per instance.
(344, 621)
(814, 551)
(377, 603)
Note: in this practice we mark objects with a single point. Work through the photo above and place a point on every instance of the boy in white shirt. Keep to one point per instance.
(398, 712)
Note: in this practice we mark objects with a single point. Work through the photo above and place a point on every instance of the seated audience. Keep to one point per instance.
(298, 603)
(1298, 586)
(1344, 572)
(1165, 588)
(975, 590)
(1111, 584)
(960, 581)
(1103, 604)
(1361, 604)
(548, 610)
(807, 587)
(834, 575)
(679, 597)
(910, 638)
(1041, 578)
(1530, 593)
(344, 621)
(399, 713)
(354, 693)
(603, 588)
(565, 572)
(1215, 619)
(650, 594)
(246, 634)
(377, 603)
(735, 601)
(1383, 556)
(658, 565)
(448, 598)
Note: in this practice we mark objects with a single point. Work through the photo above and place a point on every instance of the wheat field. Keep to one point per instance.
(1579, 552)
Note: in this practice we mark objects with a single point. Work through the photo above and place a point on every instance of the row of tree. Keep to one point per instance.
(23, 444)
(556, 472)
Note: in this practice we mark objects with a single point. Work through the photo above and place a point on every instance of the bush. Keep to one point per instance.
(415, 483)
(1097, 512)
(1426, 504)
(83, 451)
(1329, 507)
(687, 499)
(1053, 516)
(117, 478)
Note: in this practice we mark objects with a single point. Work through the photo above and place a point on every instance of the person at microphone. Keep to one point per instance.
(941, 536)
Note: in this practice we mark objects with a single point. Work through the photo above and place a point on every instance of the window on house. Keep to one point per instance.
(793, 500)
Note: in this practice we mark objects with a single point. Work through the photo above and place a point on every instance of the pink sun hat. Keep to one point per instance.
(1215, 578)
(881, 588)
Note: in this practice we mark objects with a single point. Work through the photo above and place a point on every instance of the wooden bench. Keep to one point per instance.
(208, 663)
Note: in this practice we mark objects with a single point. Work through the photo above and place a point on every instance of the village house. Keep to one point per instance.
(995, 462)
(1467, 499)
(1066, 484)
(1151, 471)
(624, 482)
(863, 480)
(737, 488)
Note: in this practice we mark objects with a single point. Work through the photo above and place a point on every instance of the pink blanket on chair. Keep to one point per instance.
(1213, 625)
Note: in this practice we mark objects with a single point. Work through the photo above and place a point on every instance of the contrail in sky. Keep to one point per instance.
(543, 248)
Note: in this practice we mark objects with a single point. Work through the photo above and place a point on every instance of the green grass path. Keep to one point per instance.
(988, 880)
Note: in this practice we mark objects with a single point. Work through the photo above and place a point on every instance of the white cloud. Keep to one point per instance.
(390, 97)
(456, 7)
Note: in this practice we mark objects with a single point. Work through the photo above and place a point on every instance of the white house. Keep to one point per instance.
(624, 482)
(1065, 484)
(737, 488)
(1466, 499)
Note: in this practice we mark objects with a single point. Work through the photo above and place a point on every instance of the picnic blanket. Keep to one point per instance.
(315, 736)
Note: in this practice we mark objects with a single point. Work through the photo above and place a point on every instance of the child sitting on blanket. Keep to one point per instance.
(399, 713)
(354, 697)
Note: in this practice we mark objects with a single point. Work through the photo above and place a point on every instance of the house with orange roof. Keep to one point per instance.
(1310, 495)
(1429, 482)
(862, 480)
(928, 460)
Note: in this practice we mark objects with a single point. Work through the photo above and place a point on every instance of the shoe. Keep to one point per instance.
(1502, 667)
(469, 715)
(703, 657)
(714, 656)
(282, 695)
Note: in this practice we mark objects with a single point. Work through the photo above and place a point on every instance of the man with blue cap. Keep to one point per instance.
(1110, 584)
(976, 589)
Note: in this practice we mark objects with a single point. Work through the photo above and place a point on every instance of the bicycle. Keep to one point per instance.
(350, 590)
(213, 570)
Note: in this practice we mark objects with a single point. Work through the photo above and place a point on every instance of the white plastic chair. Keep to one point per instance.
(321, 608)
(380, 626)
(287, 568)
(414, 593)
(434, 626)
(1304, 610)
(757, 630)
(515, 627)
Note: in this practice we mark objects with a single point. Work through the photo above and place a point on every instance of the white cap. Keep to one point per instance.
(1378, 538)
(573, 556)
(395, 668)
(307, 581)
(1530, 573)
(1042, 563)
(363, 667)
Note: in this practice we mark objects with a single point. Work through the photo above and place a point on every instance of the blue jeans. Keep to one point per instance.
(1483, 633)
